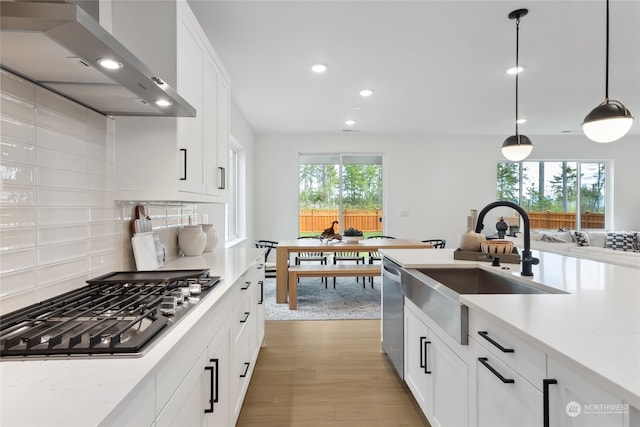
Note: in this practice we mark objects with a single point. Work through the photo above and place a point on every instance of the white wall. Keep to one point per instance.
(435, 179)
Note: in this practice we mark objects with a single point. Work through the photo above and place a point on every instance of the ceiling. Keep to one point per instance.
(436, 67)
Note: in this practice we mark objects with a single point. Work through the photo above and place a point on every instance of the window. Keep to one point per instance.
(556, 194)
(340, 187)
(235, 226)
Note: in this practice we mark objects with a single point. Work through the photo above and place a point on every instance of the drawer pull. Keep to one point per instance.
(261, 301)
(246, 369)
(213, 371)
(183, 153)
(545, 399)
(246, 317)
(423, 354)
(485, 362)
(485, 335)
(246, 286)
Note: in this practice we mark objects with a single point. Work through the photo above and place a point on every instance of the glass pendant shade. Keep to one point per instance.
(517, 147)
(607, 122)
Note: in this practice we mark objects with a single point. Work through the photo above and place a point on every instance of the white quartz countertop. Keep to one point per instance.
(594, 328)
(84, 391)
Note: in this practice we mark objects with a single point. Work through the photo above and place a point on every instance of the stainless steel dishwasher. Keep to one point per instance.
(393, 314)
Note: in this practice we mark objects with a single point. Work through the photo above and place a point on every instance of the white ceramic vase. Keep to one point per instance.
(212, 237)
(470, 240)
(192, 240)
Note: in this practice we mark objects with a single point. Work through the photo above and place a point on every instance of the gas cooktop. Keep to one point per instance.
(117, 314)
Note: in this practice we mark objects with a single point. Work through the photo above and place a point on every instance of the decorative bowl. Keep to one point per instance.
(496, 247)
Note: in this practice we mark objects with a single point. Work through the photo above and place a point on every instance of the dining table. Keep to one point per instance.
(285, 248)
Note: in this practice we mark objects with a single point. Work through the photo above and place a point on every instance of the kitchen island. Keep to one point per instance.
(82, 391)
(593, 328)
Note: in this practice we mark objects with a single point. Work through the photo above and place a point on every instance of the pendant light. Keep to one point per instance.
(517, 147)
(610, 120)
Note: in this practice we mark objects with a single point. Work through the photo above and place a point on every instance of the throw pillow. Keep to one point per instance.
(621, 241)
(582, 238)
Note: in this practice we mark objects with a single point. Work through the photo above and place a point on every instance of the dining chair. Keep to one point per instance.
(349, 256)
(436, 243)
(269, 267)
(320, 257)
(376, 256)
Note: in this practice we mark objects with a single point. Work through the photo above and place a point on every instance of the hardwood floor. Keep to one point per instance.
(329, 373)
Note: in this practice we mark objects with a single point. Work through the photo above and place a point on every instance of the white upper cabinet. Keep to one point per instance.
(182, 159)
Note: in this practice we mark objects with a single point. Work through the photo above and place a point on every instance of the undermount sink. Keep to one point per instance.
(436, 291)
(478, 281)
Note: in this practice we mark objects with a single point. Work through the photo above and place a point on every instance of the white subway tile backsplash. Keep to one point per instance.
(18, 238)
(55, 140)
(57, 178)
(59, 219)
(17, 174)
(18, 151)
(56, 197)
(62, 234)
(60, 160)
(14, 195)
(56, 272)
(61, 122)
(17, 108)
(61, 252)
(62, 216)
(18, 87)
(17, 217)
(17, 260)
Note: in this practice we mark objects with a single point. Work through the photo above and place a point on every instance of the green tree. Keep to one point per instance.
(563, 188)
(508, 182)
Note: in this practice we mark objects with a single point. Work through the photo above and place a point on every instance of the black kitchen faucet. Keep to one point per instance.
(527, 259)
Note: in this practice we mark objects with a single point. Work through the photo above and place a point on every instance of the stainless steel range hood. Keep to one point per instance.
(56, 45)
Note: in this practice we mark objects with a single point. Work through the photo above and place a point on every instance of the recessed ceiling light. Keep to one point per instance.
(350, 122)
(514, 70)
(521, 121)
(109, 64)
(163, 103)
(319, 68)
(366, 92)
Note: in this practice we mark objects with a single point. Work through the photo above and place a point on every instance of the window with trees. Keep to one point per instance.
(343, 188)
(556, 194)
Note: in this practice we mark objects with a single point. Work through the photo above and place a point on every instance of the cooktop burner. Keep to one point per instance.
(116, 314)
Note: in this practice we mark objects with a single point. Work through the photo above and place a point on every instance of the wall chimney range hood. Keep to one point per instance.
(57, 46)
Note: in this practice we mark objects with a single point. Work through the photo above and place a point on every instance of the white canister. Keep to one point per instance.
(192, 240)
(212, 237)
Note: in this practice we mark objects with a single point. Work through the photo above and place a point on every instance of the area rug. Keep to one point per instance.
(347, 301)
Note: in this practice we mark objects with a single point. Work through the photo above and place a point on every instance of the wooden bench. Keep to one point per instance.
(327, 270)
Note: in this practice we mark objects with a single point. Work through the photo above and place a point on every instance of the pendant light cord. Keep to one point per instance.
(517, 71)
(606, 78)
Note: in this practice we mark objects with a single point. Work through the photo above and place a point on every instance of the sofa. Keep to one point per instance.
(613, 247)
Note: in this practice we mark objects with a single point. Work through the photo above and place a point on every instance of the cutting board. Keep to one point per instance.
(144, 251)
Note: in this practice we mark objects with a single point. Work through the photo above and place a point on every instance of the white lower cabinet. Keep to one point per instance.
(218, 356)
(575, 401)
(502, 397)
(437, 376)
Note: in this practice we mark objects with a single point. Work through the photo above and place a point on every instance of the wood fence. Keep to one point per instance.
(554, 220)
(317, 220)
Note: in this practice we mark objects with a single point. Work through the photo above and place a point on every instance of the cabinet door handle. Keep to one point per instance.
(485, 335)
(183, 153)
(261, 300)
(545, 399)
(485, 362)
(246, 317)
(246, 369)
(222, 178)
(213, 372)
(246, 286)
(423, 354)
